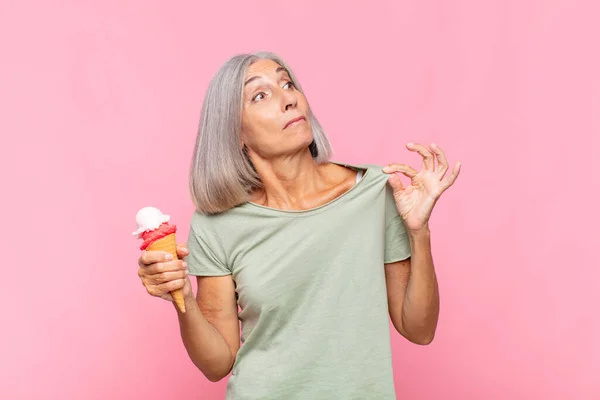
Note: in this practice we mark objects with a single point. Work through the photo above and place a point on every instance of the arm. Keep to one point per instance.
(412, 290)
(412, 286)
(210, 328)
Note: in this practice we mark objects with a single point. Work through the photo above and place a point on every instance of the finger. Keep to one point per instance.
(182, 251)
(442, 166)
(151, 257)
(405, 169)
(164, 277)
(157, 268)
(164, 288)
(167, 296)
(428, 161)
(450, 179)
(153, 290)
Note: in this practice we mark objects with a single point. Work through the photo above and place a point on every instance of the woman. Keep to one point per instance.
(315, 253)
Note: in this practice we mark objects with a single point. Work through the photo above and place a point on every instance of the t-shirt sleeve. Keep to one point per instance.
(397, 244)
(206, 256)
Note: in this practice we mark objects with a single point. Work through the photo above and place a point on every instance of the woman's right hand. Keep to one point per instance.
(160, 274)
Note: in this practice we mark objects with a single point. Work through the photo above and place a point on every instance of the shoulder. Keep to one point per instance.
(210, 231)
(201, 222)
(365, 166)
(373, 167)
(200, 219)
(224, 224)
(373, 172)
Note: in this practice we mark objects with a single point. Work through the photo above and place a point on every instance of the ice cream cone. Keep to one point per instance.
(169, 244)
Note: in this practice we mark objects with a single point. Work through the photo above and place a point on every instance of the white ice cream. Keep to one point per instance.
(148, 219)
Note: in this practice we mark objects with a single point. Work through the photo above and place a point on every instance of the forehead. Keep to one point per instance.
(262, 67)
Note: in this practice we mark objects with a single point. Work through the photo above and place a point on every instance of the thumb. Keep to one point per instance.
(396, 183)
(182, 251)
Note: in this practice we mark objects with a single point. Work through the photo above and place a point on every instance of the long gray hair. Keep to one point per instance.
(221, 174)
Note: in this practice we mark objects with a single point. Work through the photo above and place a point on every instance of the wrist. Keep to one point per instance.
(189, 301)
(419, 232)
(188, 294)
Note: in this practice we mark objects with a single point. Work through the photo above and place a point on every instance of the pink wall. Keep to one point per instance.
(95, 96)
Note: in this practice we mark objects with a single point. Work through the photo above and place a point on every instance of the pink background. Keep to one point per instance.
(96, 96)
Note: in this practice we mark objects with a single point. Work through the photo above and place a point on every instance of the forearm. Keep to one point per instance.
(206, 347)
(420, 308)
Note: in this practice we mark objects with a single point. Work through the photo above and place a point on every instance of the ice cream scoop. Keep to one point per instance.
(148, 219)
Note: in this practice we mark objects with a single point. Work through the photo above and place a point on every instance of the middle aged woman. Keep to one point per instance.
(316, 254)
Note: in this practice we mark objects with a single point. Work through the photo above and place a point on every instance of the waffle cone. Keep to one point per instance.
(169, 244)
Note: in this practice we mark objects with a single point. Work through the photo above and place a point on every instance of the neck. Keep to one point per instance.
(287, 181)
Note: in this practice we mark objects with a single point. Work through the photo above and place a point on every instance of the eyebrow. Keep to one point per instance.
(278, 70)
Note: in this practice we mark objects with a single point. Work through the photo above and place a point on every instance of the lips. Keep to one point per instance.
(291, 121)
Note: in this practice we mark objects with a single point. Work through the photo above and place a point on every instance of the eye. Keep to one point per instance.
(261, 95)
(290, 84)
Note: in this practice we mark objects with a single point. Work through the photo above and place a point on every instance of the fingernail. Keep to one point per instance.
(184, 264)
(168, 256)
(409, 144)
(386, 169)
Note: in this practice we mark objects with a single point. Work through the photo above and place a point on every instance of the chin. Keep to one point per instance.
(307, 140)
(299, 145)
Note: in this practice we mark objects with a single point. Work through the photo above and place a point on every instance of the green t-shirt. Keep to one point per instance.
(311, 289)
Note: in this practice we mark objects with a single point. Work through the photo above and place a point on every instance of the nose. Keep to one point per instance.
(289, 99)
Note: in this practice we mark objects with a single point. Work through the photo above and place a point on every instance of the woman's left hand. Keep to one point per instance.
(415, 202)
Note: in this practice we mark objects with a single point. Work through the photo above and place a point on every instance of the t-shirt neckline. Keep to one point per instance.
(322, 206)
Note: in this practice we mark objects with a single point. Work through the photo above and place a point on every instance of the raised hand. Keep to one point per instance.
(415, 202)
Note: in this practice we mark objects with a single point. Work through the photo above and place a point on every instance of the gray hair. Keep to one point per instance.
(221, 173)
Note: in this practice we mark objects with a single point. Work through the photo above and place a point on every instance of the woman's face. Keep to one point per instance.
(274, 114)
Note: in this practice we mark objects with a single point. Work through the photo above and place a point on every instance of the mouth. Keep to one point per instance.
(294, 121)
